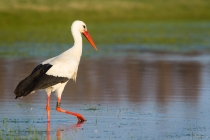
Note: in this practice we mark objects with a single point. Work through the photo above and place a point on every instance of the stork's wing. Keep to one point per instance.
(63, 67)
(38, 79)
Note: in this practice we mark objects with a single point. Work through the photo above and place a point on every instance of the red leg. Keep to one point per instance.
(48, 108)
(48, 131)
(59, 109)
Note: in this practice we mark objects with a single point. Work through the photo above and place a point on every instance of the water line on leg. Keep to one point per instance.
(48, 108)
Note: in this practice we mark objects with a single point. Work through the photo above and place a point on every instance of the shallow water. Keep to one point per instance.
(146, 96)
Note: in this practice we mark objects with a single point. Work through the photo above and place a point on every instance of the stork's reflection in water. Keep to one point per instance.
(61, 129)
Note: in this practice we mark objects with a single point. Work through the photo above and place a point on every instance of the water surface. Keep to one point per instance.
(144, 96)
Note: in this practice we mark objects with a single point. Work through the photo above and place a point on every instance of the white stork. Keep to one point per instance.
(54, 73)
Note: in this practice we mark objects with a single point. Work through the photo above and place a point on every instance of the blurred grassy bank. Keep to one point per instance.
(99, 10)
(39, 12)
(146, 22)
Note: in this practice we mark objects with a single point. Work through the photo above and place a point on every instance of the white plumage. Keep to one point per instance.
(54, 73)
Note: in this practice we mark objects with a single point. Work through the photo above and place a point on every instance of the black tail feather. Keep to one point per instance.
(27, 85)
(38, 79)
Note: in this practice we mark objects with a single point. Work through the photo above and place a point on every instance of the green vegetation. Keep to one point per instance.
(19, 129)
(98, 10)
(92, 108)
(127, 22)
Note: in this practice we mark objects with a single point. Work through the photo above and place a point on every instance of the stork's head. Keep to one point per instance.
(81, 26)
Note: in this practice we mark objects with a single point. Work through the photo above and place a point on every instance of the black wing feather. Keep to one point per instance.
(38, 79)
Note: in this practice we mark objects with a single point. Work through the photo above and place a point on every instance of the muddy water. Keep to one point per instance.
(148, 96)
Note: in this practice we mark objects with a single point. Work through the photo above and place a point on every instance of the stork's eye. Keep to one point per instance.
(84, 26)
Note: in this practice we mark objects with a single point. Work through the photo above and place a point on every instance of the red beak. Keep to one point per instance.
(87, 35)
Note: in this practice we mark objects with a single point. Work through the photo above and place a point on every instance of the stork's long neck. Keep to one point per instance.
(77, 38)
(76, 50)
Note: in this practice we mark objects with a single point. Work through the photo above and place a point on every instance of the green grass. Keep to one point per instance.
(145, 22)
(111, 38)
(99, 10)
(44, 12)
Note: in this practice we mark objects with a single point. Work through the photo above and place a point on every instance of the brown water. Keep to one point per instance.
(147, 96)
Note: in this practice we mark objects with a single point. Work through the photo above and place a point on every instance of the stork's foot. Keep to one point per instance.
(79, 117)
